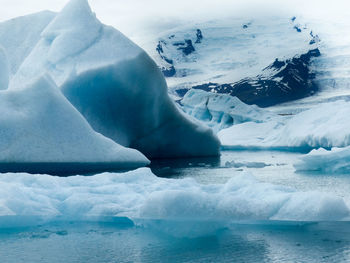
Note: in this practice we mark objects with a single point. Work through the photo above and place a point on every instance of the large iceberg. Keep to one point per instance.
(114, 84)
(139, 195)
(4, 70)
(19, 36)
(42, 132)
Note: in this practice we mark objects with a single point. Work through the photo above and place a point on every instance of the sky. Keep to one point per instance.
(132, 16)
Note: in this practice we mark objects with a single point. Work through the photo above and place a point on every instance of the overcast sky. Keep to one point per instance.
(130, 15)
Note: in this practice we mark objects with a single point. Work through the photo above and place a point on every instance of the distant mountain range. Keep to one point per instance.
(224, 58)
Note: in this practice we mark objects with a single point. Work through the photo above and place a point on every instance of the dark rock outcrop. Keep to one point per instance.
(282, 81)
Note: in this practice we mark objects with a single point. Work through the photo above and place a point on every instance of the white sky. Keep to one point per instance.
(131, 16)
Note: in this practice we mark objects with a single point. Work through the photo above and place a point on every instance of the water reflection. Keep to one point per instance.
(314, 242)
(174, 168)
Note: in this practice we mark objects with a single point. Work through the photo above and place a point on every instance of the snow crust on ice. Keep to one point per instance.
(325, 125)
(4, 70)
(336, 160)
(114, 84)
(140, 195)
(221, 111)
(39, 125)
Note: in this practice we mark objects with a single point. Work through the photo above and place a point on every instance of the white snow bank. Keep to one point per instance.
(336, 160)
(39, 125)
(141, 195)
(4, 70)
(326, 125)
(115, 85)
(221, 111)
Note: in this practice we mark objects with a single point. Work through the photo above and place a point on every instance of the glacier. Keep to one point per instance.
(112, 82)
(41, 131)
(142, 197)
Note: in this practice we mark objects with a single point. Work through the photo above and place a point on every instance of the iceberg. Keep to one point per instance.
(19, 36)
(42, 132)
(142, 197)
(220, 111)
(336, 160)
(253, 135)
(325, 125)
(4, 70)
(114, 84)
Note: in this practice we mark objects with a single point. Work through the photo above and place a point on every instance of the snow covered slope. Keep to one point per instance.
(39, 126)
(263, 61)
(113, 83)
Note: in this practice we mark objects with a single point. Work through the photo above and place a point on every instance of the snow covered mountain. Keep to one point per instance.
(262, 62)
(281, 81)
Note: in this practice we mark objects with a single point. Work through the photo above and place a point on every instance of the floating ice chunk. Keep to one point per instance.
(115, 85)
(336, 160)
(246, 164)
(38, 125)
(305, 206)
(326, 125)
(4, 70)
(221, 111)
(141, 196)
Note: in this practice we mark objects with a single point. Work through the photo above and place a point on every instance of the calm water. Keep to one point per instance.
(115, 243)
(271, 166)
(122, 241)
